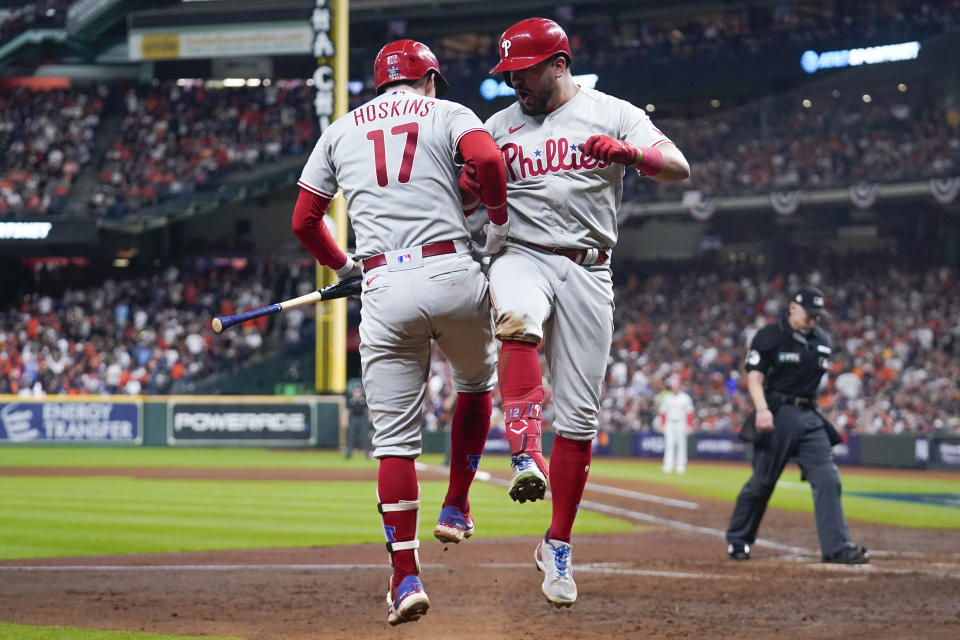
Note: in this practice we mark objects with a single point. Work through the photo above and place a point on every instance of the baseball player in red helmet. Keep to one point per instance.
(566, 149)
(393, 159)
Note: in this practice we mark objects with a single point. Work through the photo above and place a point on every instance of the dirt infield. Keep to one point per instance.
(672, 580)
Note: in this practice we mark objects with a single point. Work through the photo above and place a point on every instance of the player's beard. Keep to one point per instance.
(535, 103)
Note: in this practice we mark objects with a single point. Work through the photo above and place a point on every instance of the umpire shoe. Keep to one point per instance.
(850, 554)
(528, 481)
(555, 559)
(453, 525)
(408, 602)
(738, 551)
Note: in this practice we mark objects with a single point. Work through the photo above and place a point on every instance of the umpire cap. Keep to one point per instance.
(811, 299)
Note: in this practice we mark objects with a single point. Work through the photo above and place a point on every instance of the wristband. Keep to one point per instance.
(649, 161)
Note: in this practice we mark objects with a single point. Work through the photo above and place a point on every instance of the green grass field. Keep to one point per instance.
(122, 514)
(25, 632)
(55, 515)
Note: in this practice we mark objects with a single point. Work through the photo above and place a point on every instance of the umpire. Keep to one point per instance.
(786, 362)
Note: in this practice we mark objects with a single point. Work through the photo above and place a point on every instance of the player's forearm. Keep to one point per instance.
(479, 149)
(310, 230)
(671, 165)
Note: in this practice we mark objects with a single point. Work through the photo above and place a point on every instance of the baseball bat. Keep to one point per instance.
(349, 287)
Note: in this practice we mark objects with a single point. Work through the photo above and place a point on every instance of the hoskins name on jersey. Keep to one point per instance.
(554, 159)
(394, 108)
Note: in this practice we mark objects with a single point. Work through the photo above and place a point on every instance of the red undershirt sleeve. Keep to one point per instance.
(310, 230)
(479, 148)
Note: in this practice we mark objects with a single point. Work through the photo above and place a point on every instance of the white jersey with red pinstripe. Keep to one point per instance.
(392, 156)
(556, 196)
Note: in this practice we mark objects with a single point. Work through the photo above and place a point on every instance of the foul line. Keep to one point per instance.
(604, 568)
(484, 476)
(644, 517)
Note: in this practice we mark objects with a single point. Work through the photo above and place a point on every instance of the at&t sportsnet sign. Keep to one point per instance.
(240, 423)
(101, 422)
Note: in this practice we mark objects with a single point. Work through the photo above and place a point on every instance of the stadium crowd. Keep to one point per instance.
(149, 334)
(175, 139)
(782, 145)
(44, 14)
(610, 39)
(46, 138)
(895, 368)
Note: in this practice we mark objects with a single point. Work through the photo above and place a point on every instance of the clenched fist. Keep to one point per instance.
(607, 149)
(469, 185)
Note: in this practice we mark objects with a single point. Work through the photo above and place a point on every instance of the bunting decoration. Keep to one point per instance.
(864, 194)
(945, 190)
(785, 203)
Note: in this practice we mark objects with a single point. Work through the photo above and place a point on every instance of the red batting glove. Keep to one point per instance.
(469, 186)
(607, 149)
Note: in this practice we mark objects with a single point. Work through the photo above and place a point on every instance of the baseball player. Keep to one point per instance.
(565, 149)
(676, 416)
(393, 159)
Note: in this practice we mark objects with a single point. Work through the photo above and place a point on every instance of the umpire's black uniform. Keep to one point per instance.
(793, 364)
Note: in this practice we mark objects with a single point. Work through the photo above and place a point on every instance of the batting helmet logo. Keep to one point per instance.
(406, 60)
(531, 41)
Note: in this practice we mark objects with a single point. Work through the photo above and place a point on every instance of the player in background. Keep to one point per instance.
(676, 416)
(565, 149)
(393, 159)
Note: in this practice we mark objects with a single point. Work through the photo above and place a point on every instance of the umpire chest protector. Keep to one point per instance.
(792, 362)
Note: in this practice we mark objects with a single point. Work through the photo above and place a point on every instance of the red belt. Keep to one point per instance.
(429, 250)
(577, 255)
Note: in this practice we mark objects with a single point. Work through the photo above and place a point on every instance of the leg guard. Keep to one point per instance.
(523, 426)
(392, 531)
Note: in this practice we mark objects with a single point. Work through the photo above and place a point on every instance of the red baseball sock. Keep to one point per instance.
(468, 434)
(521, 392)
(569, 466)
(396, 482)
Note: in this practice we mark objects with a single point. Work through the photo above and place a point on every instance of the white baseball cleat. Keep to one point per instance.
(555, 559)
(528, 481)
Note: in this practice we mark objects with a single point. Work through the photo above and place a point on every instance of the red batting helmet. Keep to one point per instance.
(531, 41)
(406, 60)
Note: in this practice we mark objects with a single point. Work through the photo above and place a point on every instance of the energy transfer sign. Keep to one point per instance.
(811, 61)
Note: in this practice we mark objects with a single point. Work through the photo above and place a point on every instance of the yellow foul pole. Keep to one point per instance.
(331, 24)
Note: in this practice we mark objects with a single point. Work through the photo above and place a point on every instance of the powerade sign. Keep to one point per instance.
(719, 446)
(646, 445)
(39, 422)
(811, 61)
(236, 423)
(945, 452)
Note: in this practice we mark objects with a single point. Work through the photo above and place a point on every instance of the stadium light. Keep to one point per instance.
(234, 82)
(867, 98)
(806, 103)
(902, 88)
(650, 108)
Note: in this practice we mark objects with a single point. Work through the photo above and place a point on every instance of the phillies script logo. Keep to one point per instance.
(559, 155)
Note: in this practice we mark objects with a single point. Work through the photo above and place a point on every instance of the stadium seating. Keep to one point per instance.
(148, 335)
(896, 355)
